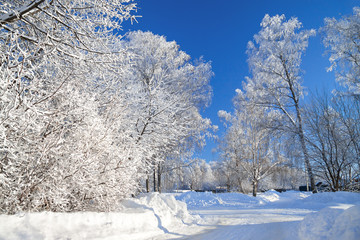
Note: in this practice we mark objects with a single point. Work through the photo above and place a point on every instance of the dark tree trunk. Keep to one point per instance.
(155, 187)
(159, 178)
(147, 184)
(255, 188)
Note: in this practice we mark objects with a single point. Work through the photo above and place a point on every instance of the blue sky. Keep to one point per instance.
(219, 31)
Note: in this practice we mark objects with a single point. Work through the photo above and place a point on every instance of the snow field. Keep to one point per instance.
(272, 215)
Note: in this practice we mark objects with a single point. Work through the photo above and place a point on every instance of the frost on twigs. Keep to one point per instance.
(268, 106)
(56, 151)
(342, 39)
(84, 114)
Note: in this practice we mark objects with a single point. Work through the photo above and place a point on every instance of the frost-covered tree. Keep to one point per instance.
(33, 28)
(200, 176)
(62, 153)
(55, 139)
(286, 176)
(166, 92)
(46, 44)
(342, 38)
(248, 142)
(229, 174)
(276, 82)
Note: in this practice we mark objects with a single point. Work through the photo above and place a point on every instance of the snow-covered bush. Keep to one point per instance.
(56, 150)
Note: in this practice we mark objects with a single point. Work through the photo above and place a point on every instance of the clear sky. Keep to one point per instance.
(219, 31)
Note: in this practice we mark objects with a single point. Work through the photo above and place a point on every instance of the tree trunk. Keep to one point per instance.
(255, 188)
(240, 186)
(299, 127)
(147, 184)
(305, 152)
(159, 177)
(155, 188)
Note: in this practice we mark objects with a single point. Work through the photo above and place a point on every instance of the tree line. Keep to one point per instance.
(88, 116)
(272, 123)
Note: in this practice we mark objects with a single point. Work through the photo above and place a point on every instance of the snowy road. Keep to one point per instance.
(274, 216)
(251, 223)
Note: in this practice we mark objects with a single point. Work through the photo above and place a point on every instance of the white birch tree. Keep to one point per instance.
(276, 82)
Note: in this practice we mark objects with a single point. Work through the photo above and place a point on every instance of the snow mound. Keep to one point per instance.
(326, 199)
(331, 223)
(295, 195)
(290, 195)
(148, 216)
(329, 197)
(269, 196)
(290, 198)
(209, 199)
(171, 213)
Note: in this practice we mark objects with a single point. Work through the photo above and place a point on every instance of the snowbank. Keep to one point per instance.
(195, 200)
(148, 216)
(47, 225)
(172, 214)
(325, 199)
(273, 215)
(288, 196)
(331, 223)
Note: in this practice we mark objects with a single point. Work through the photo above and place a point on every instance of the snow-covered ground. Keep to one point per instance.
(271, 215)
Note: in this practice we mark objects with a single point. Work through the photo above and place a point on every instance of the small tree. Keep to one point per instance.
(248, 141)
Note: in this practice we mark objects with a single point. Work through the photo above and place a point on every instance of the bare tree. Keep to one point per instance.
(331, 140)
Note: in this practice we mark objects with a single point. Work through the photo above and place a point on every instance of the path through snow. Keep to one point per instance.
(272, 215)
(252, 223)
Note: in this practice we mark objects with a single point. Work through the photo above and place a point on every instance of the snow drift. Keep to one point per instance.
(331, 223)
(148, 216)
(195, 200)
